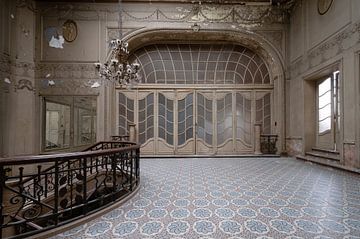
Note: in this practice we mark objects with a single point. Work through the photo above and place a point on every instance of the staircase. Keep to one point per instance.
(64, 187)
(323, 156)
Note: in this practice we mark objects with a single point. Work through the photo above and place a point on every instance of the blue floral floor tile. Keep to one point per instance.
(233, 198)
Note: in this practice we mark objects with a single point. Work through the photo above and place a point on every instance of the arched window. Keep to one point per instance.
(201, 64)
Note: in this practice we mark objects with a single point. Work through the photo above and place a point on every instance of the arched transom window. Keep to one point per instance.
(201, 64)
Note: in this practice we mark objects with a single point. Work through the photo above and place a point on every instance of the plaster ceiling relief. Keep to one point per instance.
(244, 12)
(248, 14)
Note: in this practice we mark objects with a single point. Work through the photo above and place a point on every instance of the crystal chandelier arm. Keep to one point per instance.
(116, 67)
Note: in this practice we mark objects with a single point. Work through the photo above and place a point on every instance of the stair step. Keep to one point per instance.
(326, 162)
(324, 155)
(326, 151)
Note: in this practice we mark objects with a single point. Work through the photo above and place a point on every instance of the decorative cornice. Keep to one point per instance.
(336, 45)
(65, 70)
(210, 13)
(213, 13)
(68, 78)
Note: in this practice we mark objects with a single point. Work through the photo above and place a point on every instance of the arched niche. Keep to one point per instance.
(251, 40)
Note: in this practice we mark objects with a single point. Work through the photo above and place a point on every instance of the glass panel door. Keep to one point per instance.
(165, 140)
(244, 125)
(185, 123)
(328, 112)
(224, 122)
(205, 122)
(145, 123)
(263, 111)
(126, 111)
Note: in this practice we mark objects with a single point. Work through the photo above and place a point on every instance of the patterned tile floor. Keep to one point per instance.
(234, 198)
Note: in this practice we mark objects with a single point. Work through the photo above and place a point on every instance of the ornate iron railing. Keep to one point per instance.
(268, 143)
(38, 193)
(120, 137)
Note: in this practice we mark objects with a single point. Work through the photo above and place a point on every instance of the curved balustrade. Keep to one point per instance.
(38, 193)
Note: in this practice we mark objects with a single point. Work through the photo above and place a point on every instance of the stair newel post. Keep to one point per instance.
(56, 192)
(2, 185)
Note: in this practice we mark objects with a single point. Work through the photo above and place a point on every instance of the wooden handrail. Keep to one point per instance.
(102, 142)
(18, 160)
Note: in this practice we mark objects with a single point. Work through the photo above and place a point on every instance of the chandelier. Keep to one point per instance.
(117, 67)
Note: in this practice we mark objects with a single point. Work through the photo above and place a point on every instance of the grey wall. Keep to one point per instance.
(319, 44)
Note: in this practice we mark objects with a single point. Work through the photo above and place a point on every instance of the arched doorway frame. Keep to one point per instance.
(268, 52)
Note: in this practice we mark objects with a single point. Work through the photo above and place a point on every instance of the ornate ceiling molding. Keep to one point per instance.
(211, 13)
(214, 14)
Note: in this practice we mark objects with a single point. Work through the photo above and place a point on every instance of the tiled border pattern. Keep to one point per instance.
(234, 198)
